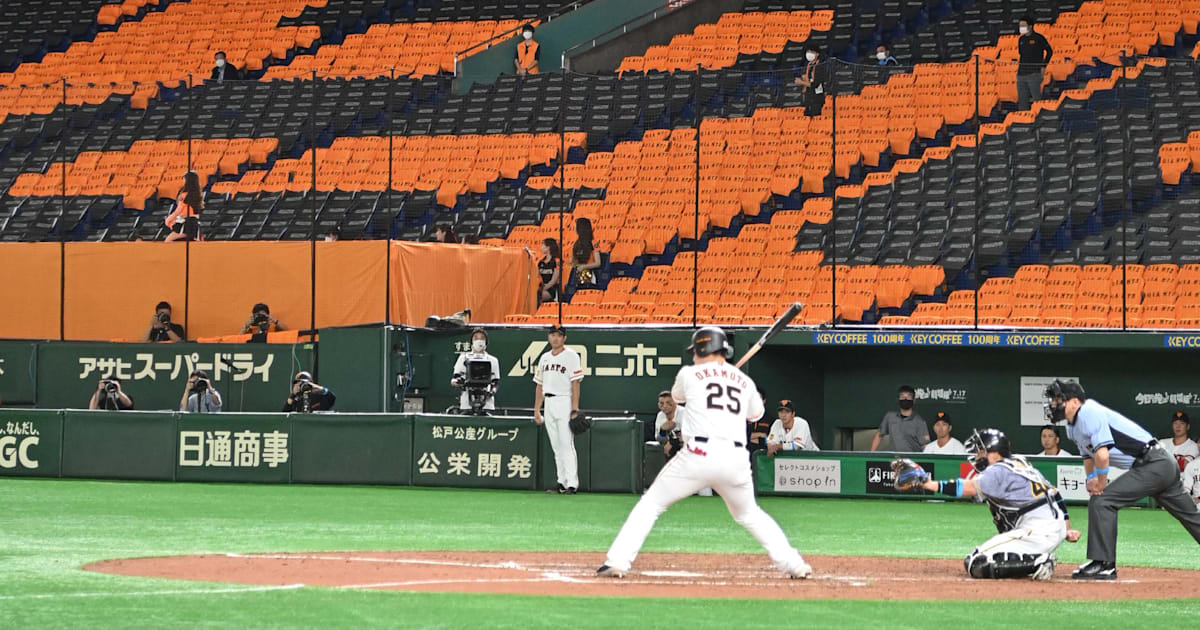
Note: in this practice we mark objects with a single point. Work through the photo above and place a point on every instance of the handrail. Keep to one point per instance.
(574, 4)
(624, 28)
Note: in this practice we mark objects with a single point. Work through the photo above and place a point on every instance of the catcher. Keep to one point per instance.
(1028, 512)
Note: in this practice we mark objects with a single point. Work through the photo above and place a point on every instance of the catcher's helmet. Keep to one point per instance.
(989, 441)
(709, 340)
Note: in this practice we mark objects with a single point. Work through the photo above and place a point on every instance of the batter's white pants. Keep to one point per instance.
(1034, 536)
(726, 469)
(556, 413)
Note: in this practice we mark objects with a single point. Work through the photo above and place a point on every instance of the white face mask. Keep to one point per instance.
(527, 35)
(1023, 29)
(812, 56)
(479, 345)
(220, 63)
(881, 56)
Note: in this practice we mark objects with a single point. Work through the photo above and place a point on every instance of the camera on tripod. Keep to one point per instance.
(480, 385)
(110, 387)
(200, 385)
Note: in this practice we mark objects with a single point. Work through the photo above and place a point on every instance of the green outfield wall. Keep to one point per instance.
(377, 449)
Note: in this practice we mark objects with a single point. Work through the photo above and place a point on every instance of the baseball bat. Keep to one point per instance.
(783, 320)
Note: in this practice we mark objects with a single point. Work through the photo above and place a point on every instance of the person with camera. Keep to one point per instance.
(109, 396)
(477, 374)
(161, 327)
(199, 396)
(308, 396)
(261, 321)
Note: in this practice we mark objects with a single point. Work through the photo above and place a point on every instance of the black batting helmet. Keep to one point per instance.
(710, 340)
(989, 441)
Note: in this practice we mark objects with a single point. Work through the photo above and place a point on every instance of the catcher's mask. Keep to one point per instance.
(710, 340)
(1057, 394)
(987, 440)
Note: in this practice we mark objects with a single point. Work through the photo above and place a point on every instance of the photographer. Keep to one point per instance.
(261, 321)
(161, 326)
(199, 395)
(308, 396)
(108, 395)
(479, 393)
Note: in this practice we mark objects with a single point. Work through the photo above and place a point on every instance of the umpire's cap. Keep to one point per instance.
(1066, 390)
(709, 340)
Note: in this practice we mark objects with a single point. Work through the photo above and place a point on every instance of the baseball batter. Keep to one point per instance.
(720, 401)
(558, 375)
(1029, 513)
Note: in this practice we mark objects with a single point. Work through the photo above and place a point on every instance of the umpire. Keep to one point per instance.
(1106, 438)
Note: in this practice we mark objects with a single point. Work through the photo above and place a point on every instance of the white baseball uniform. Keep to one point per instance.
(555, 373)
(952, 447)
(719, 401)
(1062, 452)
(1191, 481)
(460, 371)
(1184, 454)
(798, 438)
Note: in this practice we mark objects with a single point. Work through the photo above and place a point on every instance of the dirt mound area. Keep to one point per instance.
(654, 575)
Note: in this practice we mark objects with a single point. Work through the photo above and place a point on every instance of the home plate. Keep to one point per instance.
(682, 574)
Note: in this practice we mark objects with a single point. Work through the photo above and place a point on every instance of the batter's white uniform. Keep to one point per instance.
(798, 438)
(719, 401)
(460, 371)
(555, 373)
(1191, 481)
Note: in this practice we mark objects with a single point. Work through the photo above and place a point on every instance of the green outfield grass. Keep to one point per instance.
(51, 528)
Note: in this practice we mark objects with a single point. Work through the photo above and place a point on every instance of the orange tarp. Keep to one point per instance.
(29, 294)
(432, 279)
(111, 288)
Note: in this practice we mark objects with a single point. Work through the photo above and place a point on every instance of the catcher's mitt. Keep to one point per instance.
(909, 475)
(580, 423)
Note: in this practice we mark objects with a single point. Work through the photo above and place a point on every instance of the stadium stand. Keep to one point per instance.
(922, 217)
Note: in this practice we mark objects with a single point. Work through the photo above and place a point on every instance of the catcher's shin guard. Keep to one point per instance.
(1002, 565)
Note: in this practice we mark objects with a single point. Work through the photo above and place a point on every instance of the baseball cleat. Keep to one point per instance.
(570, 491)
(1096, 570)
(607, 571)
(559, 489)
(1045, 570)
(803, 572)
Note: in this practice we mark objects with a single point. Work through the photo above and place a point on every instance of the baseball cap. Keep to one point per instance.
(943, 416)
(787, 404)
(557, 329)
(1182, 417)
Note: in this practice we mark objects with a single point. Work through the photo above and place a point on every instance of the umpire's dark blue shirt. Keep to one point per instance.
(1097, 426)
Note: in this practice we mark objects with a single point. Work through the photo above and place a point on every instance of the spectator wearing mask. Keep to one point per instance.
(1034, 53)
(945, 444)
(1050, 440)
(584, 256)
(307, 395)
(161, 326)
(550, 271)
(223, 70)
(909, 432)
(813, 80)
(789, 432)
(1182, 447)
(199, 395)
(528, 52)
(184, 221)
(260, 321)
(110, 396)
(883, 55)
